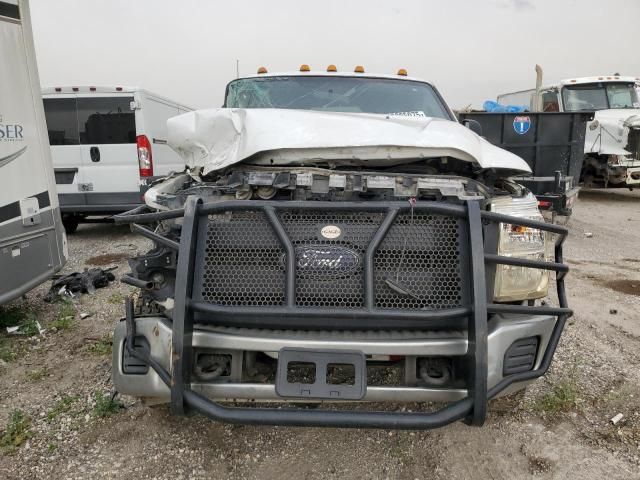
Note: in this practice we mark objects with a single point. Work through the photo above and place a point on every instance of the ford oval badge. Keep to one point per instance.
(331, 232)
(328, 260)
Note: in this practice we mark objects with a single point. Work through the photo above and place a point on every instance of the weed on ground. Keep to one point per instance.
(61, 406)
(17, 432)
(101, 346)
(105, 405)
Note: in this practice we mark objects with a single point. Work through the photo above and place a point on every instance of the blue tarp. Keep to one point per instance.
(495, 107)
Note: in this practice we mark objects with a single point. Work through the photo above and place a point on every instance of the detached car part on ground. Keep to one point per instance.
(376, 253)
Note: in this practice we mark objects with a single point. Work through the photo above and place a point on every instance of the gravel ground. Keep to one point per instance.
(560, 428)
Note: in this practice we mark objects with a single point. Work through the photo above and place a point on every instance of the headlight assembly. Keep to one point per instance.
(513, 283)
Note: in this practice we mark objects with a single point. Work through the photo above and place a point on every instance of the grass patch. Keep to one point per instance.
(30, 327)
(116, 298)
(19, 316)
(66, 315)
(6, 351)
(17, 432)
(105, 405)
(37, 374)
(61, 406)
(101, 346)
(562, 398)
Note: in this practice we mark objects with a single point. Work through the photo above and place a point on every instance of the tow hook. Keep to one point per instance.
(435, 370)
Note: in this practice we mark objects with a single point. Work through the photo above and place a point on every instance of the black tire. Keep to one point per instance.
(70, 224)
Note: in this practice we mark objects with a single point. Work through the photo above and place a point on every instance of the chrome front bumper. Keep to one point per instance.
(503, 331)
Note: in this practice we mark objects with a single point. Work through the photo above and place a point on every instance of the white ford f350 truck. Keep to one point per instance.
(612, 141)
(338, 237)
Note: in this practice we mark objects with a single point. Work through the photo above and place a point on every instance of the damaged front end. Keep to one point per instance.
(304, 284)
(613, 150)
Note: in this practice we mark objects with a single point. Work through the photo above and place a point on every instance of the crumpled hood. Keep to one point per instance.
(217, 138)
(608, 132)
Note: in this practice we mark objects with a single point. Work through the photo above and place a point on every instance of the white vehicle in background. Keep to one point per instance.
(108, 144)
(612, 141)
(32, 240)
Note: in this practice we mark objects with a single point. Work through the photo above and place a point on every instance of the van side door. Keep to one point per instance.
(107, 131)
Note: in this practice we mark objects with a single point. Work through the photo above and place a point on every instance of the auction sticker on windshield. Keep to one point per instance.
(521, 124)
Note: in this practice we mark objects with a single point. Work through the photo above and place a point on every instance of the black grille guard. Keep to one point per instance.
(482, 258)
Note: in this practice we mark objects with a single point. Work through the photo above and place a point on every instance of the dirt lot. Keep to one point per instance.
(560, 429)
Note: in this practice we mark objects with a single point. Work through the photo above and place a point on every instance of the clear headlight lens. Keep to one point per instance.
(521, 283)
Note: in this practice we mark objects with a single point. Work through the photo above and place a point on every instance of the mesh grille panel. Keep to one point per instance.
(242, 261)
(429, 270)
(418, 265)
(343, 289)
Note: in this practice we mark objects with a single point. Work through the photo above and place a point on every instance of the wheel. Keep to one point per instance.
(70, 224)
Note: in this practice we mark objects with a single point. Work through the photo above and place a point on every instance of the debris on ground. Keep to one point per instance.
(74, 283)
(617, 418)
(588, 234)
(613, 311)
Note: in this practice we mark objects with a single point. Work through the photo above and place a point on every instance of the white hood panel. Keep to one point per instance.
(214, 139)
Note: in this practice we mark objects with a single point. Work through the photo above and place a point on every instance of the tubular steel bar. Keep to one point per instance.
(155, 237)
(472, 408)
(323, 318)
(140, 215)
(477, 354)
(182, 350)
(524, 262)
(369, 294)
(290, 266)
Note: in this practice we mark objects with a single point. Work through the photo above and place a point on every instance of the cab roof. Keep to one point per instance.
(601, 78)
(90, 89)
(323, 73)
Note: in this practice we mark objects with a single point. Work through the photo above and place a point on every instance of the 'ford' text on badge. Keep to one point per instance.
(326, 259)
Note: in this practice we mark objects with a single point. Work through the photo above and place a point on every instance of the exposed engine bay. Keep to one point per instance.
(434, 179)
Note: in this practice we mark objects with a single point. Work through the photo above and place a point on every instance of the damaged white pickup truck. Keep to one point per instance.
(338, 237)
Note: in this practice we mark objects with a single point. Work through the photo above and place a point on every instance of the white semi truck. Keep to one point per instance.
(32, 240)
(612, 141)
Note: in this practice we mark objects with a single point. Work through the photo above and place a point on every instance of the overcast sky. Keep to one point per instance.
(470, 49)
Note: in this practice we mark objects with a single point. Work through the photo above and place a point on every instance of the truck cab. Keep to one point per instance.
(612, 140)
(338, 236)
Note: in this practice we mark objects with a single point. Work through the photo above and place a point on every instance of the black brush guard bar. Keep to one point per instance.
(483, 259)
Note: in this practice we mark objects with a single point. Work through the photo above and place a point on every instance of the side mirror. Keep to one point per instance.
(473, 125)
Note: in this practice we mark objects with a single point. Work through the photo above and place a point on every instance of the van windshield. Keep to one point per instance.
(337, 94)
(599, 96)
(90, 120)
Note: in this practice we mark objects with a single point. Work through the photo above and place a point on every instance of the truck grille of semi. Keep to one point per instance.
(244, 262)
(634, 143)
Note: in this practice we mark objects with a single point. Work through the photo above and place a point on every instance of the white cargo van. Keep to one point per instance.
(32, 240)
(107, 144)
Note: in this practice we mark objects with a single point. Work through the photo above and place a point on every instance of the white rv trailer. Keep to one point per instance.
(612, 141)
(108, 144)
(32, 240)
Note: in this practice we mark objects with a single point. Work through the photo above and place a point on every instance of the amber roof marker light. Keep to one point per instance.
(402, 72)
(332, 68)
(359, 69)
(262, 70)
(305, 68)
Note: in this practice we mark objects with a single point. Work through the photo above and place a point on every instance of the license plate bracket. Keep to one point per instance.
(321, 360)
